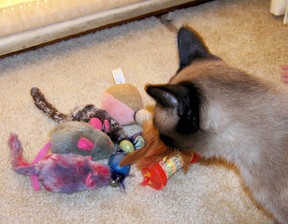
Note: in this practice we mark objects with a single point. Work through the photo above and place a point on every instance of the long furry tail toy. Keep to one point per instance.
(81, 113)
(61, 173)
(42, 104)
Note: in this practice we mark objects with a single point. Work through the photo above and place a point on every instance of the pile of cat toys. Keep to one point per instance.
(156, 161)
(70, 161)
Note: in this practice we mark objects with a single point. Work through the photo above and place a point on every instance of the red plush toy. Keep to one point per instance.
(61, 173)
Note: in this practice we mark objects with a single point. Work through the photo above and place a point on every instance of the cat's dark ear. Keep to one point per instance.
(191, 47)
(163, 94)
(173, 95)
(184, 98)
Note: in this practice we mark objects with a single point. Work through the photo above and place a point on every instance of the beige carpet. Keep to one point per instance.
(77, 71)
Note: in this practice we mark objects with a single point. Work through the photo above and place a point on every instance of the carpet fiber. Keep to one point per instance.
(77, 72)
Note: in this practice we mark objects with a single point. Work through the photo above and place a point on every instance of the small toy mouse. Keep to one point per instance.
(61, 173)
(80, 138)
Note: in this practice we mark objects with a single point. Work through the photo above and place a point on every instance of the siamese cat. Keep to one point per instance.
(222, 112)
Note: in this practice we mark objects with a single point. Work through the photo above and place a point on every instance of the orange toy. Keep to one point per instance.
(156, 176)
(149, 159)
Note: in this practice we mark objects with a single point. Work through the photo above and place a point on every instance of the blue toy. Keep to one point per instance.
(118, 173)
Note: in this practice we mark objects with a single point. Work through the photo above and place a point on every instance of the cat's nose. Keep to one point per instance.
(168, 141)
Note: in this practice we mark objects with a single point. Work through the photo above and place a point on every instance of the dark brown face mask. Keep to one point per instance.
(154, 150)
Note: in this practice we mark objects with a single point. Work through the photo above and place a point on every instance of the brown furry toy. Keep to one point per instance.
(155, 158)
(80, 113)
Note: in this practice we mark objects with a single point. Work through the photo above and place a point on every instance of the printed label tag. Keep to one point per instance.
(118, 76)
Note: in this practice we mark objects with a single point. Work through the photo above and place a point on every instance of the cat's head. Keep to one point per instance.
(178, 103)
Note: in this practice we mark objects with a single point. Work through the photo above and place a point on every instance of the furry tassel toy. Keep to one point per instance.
(61, 173)
(154, 151)
(156, 161)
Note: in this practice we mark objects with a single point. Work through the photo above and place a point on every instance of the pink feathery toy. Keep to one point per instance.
(61, 173)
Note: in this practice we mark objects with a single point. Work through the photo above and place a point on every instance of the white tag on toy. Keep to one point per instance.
(118, 76)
